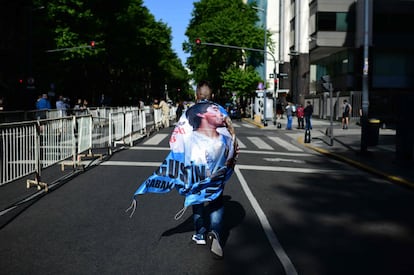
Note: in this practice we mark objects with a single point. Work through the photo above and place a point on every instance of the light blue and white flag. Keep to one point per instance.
(202, 156)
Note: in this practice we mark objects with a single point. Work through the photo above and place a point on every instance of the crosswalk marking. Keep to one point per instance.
(248, 125)
(259, 143)
(241, 144)
(155, 139)
(285, 144)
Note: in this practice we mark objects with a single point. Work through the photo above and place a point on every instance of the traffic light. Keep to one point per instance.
(92, 44)
(198, 41)
(326, 83)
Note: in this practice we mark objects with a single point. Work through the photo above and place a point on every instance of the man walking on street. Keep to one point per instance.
(215, 208)
(203, 142)
(308, 111)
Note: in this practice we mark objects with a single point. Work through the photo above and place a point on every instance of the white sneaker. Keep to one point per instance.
(198, 239)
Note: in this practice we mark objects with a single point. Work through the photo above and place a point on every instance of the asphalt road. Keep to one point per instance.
(288, 210)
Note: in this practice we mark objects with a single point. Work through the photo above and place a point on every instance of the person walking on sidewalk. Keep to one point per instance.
(308, 111)
(346, 111)
(300, 114)
(289, 114)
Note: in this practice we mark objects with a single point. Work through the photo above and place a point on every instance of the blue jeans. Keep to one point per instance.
(308, 123)
(215, 209)
(289, 123)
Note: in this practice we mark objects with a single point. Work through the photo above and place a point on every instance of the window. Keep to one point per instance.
(335, 21)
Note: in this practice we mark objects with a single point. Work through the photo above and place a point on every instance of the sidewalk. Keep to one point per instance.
(346, 147)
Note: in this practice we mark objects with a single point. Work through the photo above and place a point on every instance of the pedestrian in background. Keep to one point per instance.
(62, 105)
(179, 110)
(85, 105)
(165, 112)
(346, 111)
(141, 104)
(289, 115)
(300, 115)
(308, 111)
(155, 104)
(42, 105)
(78, 107)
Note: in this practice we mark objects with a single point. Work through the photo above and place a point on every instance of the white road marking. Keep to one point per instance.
(285, 144)
(259, 143)
(292, 169)
(275, 153)
(156, 139)
(247, 125)
(270, 234)
(287, 264)
(131, 163)
(285, 160)
(150, 148)
(241, 144)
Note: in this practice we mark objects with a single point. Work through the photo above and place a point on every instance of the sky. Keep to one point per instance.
(177, 15)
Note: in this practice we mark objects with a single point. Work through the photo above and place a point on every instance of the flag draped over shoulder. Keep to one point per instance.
(201, 159)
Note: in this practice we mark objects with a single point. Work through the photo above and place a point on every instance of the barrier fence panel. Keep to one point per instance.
(28, 147)
(18, 155)
(116, 128)
(56, 140)
(137, 125)
(173, 113)
(128, 128)
(100, 132)
(84, 124)
(157, 119)
(143, 120)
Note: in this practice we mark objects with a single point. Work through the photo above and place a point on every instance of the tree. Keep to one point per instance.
(132, 56)
(222, 22)
(241, 81)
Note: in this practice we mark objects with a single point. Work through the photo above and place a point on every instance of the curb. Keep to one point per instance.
(391, 178)
(249, 120)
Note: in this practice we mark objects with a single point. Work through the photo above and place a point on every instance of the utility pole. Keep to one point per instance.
(365, 71)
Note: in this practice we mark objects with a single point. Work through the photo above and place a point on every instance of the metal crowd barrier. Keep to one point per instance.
(28, 147)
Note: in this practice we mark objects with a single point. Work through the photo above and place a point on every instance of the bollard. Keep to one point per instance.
(307, 136)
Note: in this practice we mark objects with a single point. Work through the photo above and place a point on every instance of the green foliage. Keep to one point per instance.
(241, 81)
(228, 22)
(132, 59)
